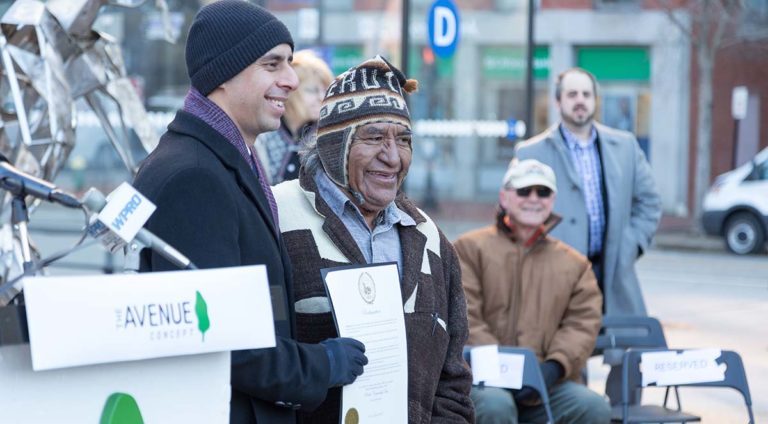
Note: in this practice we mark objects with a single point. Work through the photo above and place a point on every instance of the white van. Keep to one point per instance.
(736, 206)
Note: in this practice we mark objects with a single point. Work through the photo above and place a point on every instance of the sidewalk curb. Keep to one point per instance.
(687, 241)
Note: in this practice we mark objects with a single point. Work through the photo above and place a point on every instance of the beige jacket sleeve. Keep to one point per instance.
(574, 341)
(472, 281)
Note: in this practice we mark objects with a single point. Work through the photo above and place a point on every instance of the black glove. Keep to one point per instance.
(552, 371)
(527, 396)
(347, 359)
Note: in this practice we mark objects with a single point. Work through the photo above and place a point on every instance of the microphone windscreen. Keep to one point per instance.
(94, 200)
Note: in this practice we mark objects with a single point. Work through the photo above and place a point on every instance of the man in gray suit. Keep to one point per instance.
(606, 194)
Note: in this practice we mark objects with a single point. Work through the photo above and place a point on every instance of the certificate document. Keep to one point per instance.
(368, 306)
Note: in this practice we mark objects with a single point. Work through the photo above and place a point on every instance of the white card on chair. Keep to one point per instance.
(669, 368)
(511, 367)
(485, 363)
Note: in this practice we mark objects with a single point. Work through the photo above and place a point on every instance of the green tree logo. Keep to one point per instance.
(121, 408)
(201, 310)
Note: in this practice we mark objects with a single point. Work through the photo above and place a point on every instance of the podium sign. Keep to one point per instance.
(185, 389)
(87, 320)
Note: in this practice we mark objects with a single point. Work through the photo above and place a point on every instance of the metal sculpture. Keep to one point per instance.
(50, 58)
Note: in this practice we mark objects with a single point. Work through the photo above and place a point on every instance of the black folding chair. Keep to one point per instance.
(735, 378)
(624, 332)
(531, 373)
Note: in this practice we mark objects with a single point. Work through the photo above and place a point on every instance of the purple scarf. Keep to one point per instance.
(208, 111)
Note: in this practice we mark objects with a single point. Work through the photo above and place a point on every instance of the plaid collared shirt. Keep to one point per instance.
(586, 159)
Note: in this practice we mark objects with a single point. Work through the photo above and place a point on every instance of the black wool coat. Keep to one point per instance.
(210, 206)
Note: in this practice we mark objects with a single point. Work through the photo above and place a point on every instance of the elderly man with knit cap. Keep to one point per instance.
(346, 208)
(525, 288)
(215, 206)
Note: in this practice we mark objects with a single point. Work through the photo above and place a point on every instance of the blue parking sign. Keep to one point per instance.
(443, 27)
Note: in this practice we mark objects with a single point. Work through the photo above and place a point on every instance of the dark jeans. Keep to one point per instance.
(571, 403)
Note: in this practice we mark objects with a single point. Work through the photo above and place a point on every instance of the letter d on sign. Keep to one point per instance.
(443, 27)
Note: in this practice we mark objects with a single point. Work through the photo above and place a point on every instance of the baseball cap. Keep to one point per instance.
(528, 173)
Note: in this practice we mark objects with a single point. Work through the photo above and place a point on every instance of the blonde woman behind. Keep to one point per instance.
(277, 151)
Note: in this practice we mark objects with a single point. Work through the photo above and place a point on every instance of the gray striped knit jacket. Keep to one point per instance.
(433, 300)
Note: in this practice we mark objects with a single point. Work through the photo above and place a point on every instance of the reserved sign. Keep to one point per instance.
(97, 319)
(668, 368)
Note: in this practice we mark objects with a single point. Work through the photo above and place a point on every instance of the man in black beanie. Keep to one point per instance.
(215, 206)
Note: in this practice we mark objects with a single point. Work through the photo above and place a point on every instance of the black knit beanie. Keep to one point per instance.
(367, 93)
(228, 36)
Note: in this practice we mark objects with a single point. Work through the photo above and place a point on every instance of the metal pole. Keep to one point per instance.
(529, 73)
(20, 220)
(405, 23)
(405, 37)
(320, 26)
(735, 149)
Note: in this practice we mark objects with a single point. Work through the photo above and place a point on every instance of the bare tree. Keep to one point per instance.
(711, 25)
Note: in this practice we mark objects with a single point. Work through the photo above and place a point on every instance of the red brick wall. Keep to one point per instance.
(693, 111)
(590, 4)
(656, 4)
(566, 4)
(282, 5)
(370, 4)
(474, 4)
(461, 4)
(743, 64)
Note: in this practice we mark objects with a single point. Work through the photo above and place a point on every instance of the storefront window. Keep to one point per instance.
(624, 77)
(503, 70)
(482, 80)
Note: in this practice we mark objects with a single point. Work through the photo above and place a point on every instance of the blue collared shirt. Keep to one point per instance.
(586, 159)
(378, 246)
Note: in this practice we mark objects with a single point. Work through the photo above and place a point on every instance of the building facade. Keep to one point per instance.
(644, 63)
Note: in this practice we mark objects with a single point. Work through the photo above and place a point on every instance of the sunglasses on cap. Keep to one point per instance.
(542, 192)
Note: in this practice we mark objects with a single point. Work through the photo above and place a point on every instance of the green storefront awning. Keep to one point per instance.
(616, 63)
(345, 57)
(510, 63)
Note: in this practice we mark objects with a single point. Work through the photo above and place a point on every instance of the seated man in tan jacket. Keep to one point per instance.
(525, 288)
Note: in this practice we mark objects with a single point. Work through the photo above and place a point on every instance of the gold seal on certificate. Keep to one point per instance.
(367, 287)
(351, 417)
(367, 305)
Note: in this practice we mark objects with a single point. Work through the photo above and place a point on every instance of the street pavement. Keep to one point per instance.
(703, 296)
(705, 299)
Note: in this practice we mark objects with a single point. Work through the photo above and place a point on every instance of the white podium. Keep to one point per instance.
(130, 349)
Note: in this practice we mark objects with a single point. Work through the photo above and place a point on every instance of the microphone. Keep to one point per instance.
(19, 182)
(109, 227)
